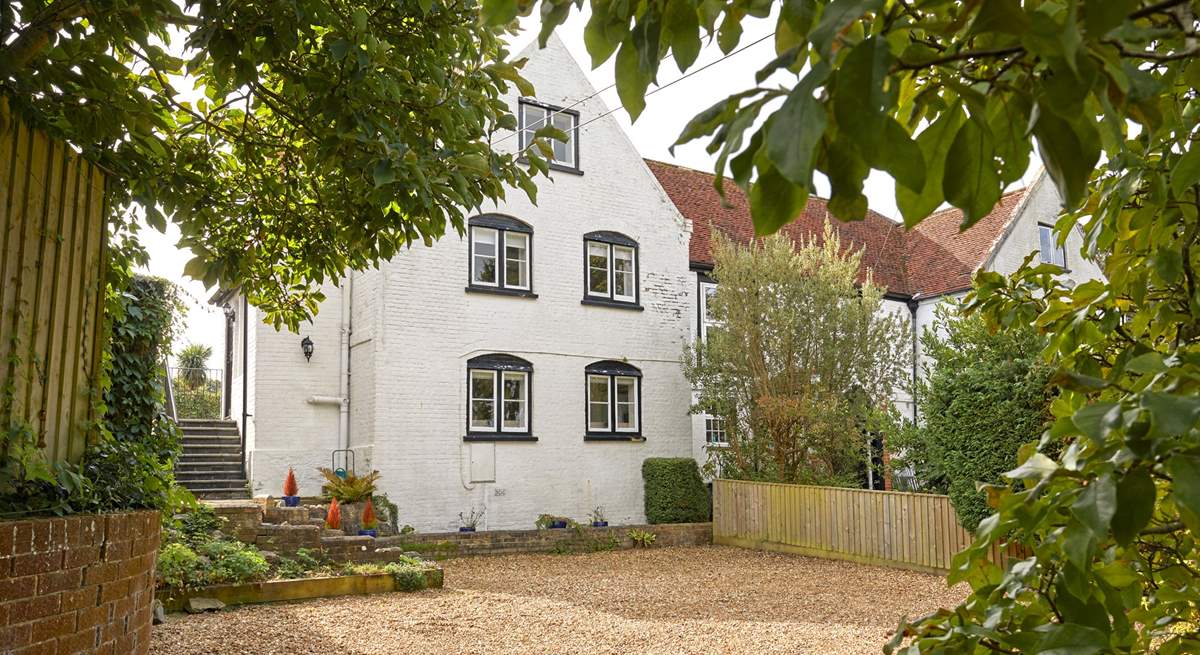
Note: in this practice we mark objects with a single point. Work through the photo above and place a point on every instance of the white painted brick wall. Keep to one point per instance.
(415, 327)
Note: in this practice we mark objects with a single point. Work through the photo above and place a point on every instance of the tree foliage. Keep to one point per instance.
(321, 135)
(984, 395)
(800, 352)
(1106, 90)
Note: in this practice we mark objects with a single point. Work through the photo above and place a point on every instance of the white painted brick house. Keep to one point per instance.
(532, 366)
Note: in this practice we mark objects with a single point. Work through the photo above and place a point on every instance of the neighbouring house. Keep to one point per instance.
(532, 365)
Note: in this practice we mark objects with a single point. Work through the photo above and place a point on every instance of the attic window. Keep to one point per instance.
(1051, 252)
(533, 116)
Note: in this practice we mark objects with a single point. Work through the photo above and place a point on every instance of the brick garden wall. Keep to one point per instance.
(79, 584)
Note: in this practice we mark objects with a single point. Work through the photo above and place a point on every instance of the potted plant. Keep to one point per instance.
(291, 490)
(597, 516)
(550, 521)
(369, 524)
(468, 522)
(351, 493)
(333, 517)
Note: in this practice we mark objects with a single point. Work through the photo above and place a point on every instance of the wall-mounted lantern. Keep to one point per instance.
(306, 345)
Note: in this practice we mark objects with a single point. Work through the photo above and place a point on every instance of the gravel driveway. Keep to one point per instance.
(667, 600)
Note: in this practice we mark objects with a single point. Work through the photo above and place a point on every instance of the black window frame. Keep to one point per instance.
(610, 239)
(1061, 249)
(502, 224)
(498, 364)
(611, 369)
(550, 110)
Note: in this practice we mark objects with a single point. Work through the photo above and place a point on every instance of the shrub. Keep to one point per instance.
(642, 538)
(198, 525)
(409, 576)
(986, 395)
(675, 492)
(232, 562)
(333, 517)
(368, 516)
(178, 566)
(290, 488)
(352, 489)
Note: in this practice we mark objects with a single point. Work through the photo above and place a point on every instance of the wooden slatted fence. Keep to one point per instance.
(908, 530)
(52, 217)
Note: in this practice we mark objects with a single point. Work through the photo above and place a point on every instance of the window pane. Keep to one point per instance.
(564, 153)
(515, 401)
(598, 269)
(710, 291)
(1046, 244)
(623, 273)
(626, 392)
(516, 260)
(483, 245)
(597, 402)
(532, 118)
(483, 399)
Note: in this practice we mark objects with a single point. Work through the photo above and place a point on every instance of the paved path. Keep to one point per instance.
(668, 601)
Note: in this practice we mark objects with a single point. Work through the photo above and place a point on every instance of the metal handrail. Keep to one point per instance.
(170, 393)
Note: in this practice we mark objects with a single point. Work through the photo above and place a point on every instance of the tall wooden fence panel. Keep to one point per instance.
(916, 531)
(52, 216)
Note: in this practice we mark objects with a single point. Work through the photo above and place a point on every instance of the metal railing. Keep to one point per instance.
(198, 392)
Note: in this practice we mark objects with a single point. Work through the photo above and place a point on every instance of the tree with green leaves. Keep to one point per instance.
(290, 140)
(950, 99)
(983, 395)
(799, 353)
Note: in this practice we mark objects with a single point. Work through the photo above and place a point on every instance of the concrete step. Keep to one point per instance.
(212, 449)
(221, 494)
(208, 465)
(185, 475)
(208, 422)
(218, 484)
(211, 439)
(211, 458)
(210, 431)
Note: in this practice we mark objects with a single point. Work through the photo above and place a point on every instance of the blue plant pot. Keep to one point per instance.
(291, 501)
(558, 524)
(599, 524)
(465, 529)
(368, 533)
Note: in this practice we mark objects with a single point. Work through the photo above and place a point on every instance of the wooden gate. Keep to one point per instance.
(52, 217)
(916, 531)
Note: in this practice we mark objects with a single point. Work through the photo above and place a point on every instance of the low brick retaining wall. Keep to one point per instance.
(78, 584)
(276, 591)
(246, 523)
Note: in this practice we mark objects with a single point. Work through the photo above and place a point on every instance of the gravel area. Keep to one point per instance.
(667, 600)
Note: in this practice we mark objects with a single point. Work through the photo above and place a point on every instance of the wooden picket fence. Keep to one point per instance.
(908, 530)
(52, 243)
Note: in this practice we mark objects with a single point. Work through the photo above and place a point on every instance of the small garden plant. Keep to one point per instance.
(291, 490)
(369, 523)
(333, 517)
(550, 521)
(597, 517)
(352, 488)
(642, 538)
(469, 522)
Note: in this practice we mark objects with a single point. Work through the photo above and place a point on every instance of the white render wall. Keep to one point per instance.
(1041, 205)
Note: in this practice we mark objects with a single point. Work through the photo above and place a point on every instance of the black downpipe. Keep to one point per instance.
(913, 305)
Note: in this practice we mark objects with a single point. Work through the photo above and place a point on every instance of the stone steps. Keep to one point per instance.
(211, 465)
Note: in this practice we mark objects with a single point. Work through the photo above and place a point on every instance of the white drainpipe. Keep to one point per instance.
(344, 378)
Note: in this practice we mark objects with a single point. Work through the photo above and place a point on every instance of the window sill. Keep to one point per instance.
(636, 438)
(615, 304)
(491, 436)
(500, 291)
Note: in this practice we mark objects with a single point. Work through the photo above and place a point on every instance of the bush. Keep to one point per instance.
(986, 395)
(232, 562)
(178, 566)
(408, 576)
(198, 525)
(675, 492)
(351, 489)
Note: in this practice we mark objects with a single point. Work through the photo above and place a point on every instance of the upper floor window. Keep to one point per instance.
(614, 399)
(611, 270)
(1051, 252)
(707, 291)
(534, 116)
(499, 397)
(501, 254)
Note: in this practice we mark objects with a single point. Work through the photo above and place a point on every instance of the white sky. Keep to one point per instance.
(665, 115)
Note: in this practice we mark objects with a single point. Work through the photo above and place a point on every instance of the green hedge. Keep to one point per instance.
(675, 492)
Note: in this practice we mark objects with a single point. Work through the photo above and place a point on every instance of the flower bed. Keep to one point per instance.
(274, 591)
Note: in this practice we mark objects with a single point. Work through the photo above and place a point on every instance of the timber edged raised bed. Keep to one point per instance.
(276, 591)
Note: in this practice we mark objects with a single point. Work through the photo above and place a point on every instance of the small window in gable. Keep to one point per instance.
(501, 255)
(614, 401)
(610, 270)
(534, 116)
(499, 398)
(1050, 251)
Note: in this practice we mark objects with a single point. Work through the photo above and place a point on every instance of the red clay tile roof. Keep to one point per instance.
(941, 259)
(934, 258)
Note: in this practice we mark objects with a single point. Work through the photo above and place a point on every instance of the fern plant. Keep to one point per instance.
(352, 489)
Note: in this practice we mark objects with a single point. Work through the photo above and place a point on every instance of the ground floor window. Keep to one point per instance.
(499, 398)
(714, 431)
(614, 398)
